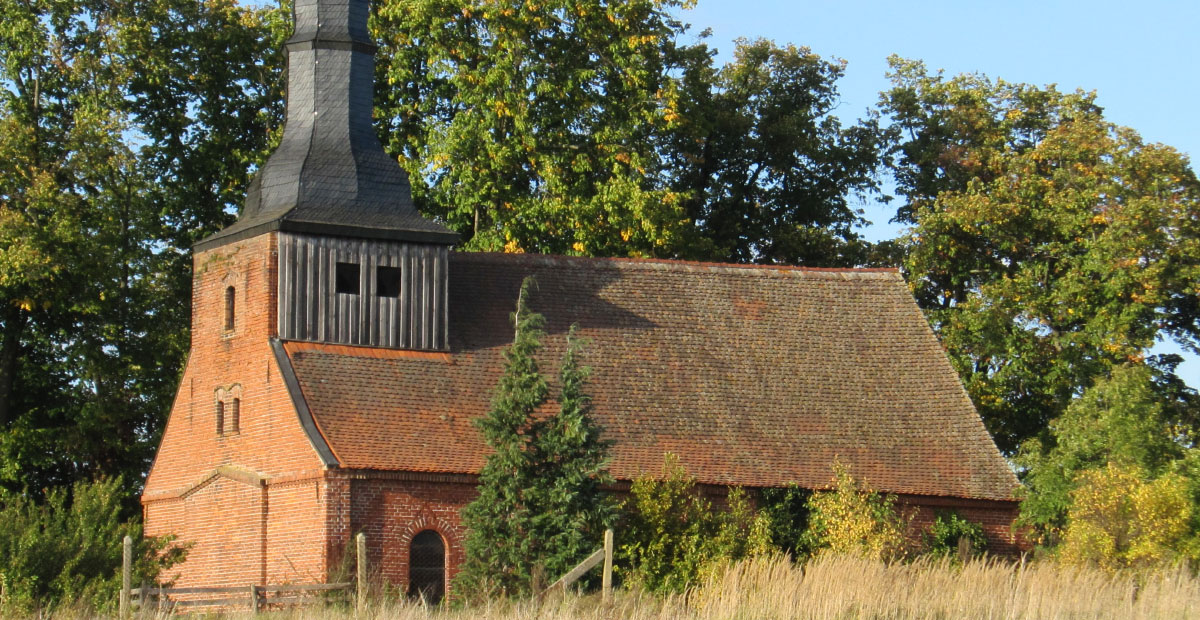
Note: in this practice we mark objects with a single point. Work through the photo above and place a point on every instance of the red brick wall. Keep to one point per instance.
(995, 517)
(270, 447)
(390, 510)
(224, 520)
(296, 532)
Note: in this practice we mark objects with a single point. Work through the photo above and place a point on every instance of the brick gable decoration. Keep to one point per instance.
(355, 395)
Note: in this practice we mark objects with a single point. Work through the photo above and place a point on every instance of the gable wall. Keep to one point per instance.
(271, 452)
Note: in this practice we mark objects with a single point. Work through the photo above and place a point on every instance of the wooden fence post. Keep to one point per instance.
(126, 575)
(254, 598)
(361, 545)
(606, 588)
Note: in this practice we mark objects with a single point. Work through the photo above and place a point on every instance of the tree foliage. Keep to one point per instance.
(786, 510)
(585, 127)
(66, 551)
(528, 125)
(1120, 518)
(127, 129)
(767, 171)
(672, 537)
(540, 508)
(946, 532)
(1049, 245)
(1123, 420)
(852, 519)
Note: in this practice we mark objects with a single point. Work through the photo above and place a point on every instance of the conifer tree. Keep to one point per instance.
(540, 507)
(571, 457)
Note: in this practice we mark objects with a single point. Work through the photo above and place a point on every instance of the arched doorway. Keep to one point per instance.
(427, 566)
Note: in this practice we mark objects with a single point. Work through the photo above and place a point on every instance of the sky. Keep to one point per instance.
(1142, 58)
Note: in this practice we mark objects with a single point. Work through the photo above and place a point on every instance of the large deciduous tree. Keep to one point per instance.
(1049, 245)
(128, 129)
(767, 172)
(530, 125)
(586, 127)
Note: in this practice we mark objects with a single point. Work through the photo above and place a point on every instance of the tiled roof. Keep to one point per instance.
(755, 376)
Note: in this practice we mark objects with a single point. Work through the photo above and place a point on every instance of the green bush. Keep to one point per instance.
(67, 549)
(947, 529)
(672, 537)
(786, 511)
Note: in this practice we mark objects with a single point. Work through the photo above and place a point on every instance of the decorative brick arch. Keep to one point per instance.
(451, 540)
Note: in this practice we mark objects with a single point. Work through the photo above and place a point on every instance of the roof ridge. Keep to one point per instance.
(620, 262)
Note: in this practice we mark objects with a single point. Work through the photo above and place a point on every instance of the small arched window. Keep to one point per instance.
(220, 417)
(427, 567)
(230, 294)
(235, 416)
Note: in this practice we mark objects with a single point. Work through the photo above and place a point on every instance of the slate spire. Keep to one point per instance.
(330, 175)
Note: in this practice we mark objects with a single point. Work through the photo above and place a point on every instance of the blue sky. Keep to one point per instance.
(1142, 58)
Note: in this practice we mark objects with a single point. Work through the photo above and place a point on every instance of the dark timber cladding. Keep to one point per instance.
(408, 312)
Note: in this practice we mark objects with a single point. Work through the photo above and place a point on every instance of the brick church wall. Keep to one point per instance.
(268, 448)
(996, 518)
(391, 509)
(295, 532)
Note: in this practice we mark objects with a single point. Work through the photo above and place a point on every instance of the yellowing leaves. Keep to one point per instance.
(851, 519)
(1119, 518)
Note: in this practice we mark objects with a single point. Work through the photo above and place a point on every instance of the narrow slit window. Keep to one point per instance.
(387, 281)
(230, 300)
(235, 416)
(220, 417)
(346, 278)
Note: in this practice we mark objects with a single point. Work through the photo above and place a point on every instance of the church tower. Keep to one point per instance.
(357, 264)
(329, 251)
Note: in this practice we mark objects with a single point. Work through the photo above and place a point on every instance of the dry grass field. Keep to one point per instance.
(848, 588)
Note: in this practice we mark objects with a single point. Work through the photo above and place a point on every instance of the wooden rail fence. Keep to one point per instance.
(254, 597)
(603, 554)
(258, 597)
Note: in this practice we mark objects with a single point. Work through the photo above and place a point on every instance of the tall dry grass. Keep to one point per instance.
(848, 588)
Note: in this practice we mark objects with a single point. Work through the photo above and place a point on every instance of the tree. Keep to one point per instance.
(767, 170)
(66, 551)
(1122, 420)
(127, 134)
(70, 191)
(1049, 245)
(540, 506)
(1120, 518)
(672, 537)
(584, 127)
(571, 458)
(527, 126)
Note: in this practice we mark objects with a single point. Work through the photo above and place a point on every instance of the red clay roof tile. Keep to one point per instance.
(755, 376)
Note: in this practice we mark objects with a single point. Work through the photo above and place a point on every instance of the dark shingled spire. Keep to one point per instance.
(330, 175)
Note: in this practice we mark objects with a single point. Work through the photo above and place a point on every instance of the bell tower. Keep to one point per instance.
(357, 264)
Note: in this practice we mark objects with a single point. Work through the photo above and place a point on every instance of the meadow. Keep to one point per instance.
(843, 587)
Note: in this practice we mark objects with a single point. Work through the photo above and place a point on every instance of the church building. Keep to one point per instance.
(340, 350)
